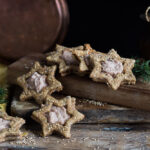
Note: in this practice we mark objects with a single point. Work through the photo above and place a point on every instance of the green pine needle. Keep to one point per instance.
(3, 95)
(142, 70)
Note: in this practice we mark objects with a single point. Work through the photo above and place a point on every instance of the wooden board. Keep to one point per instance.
(135, 96)
(95, 112)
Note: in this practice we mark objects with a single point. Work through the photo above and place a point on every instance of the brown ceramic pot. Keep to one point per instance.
(28, 26)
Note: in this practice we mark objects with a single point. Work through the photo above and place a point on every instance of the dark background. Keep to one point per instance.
(107, 25)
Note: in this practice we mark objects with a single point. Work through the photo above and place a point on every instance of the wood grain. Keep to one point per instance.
(135, 96)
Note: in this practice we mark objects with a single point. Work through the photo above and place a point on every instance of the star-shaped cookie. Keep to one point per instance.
(38, 83)
(58, 115)
(70, 59)
(10, 127)
(112, 69)
(84, 57)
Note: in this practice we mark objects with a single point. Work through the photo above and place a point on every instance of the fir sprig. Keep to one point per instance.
(142, 70)
(3, 95)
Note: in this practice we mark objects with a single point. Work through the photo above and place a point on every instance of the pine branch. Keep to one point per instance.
(142, 70)
(3, 95)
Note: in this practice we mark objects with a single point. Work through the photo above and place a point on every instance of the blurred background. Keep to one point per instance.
(28, 26)
(107, 25)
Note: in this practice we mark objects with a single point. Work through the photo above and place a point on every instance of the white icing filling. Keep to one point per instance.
(37, 82)
(58, 115)
(69, 58)
(4, 124)
(112, 67)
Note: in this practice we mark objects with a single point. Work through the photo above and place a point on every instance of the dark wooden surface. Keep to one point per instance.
(92, 137)
(104, 127)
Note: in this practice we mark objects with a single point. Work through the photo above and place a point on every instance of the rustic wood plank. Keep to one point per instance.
(135, 96)
(94, 112)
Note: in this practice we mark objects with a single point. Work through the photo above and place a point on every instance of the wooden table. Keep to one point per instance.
(94, 136)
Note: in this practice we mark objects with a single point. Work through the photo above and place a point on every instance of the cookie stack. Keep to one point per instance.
(109, 68)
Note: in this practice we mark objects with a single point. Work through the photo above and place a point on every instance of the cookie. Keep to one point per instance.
(10, 127)
(58, 116)
(112, 69)
(70, 60)
(38, 83)
(84, 58)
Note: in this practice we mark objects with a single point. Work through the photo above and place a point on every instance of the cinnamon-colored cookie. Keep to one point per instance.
(38, 83)
(10, 127)
(112, 69)
(58, 115)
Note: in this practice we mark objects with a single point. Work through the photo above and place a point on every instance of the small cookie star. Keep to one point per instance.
(58, 115)
(84, 57)
(10, 127)
(38, 83)
(69, 59)
(112, 69)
